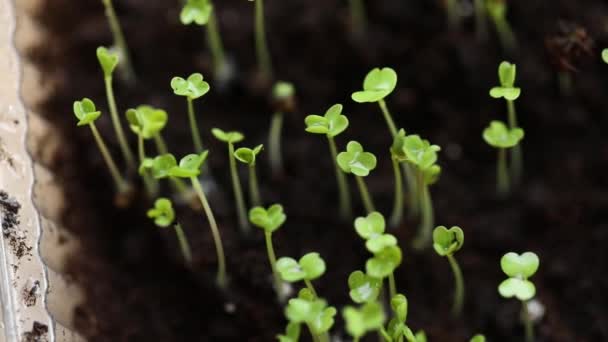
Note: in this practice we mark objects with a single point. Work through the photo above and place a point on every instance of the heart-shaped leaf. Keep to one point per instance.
(363, 288)
(378, 243)
(420, 152)
(108, 60)
(520, 266)
(290, 270)
(510, 94)
(162, 213)
(323, 321)
(370, 226)
(147, 120)
(369, 317)
(193, 87)
(196, 11)
(506, 74)
(378, 84)
(248, 155)
(189, 166)
(447, 241)
(313, 265)
(227, 137)
(499, 136)
(478, 338)
(331, 124)
(269, 220)
(85, 111)
(162, 165)
(399, 304)
(520, 288)
(356, 161)
(384, 262)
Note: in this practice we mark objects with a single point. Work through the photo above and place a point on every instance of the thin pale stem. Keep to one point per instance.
(397, 213)
(315, 337)
(516, 152)
(273, 265)
(261, 44)
(216, 46)
(388, 118)
(392, 287)
(505, 34)
(215, 232)
(481, 21)
(119, 41)
(423, 239)
(274, 143)
(120, 133)
(346, 210)
(161, 145)
(196, 135)
(184, 246)
(459, 286)
(254, 191)
(528, 324)
(150, 183)
(357, 15)
(120, 183)
(452, 14)
(502, 174)
(365, 196)
(311, 288)
(412, 187)
(238, 192)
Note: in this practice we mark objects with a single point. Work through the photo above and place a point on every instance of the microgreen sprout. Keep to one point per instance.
(163, 216)
(108, 61)
(292, 333)
(119, 41)
(312, 311)
(190, 167)
(358, 17)
(507, 90)
(378, 84)
(86, 113)
(363, 288)
(270, 220)
(248, 156)
(261, 44)
(358, 162)
(501, 137)
(146, 124)
(520, 267)
(397, 327)
(332, 124)
(311, 266)
(497, 10)
(446, 242)
(397, 156)
(202, 12)
(192, 88)
(283, 94)
(231, 138)
(368, 318)
(478, 338)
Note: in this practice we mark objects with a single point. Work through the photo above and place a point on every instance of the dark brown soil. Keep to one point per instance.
(136, 286)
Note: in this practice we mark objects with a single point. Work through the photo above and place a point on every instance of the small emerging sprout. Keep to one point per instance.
(360, 321)
(397, 327)
(192, 88)
(108, 61)
(358, 162)
(519, 268)
(502, 138)
(497, 9)
(119, 41)
(446, 242)
(270, 220)
(164, 215)
(312, 311)
(378, 84)
(146, 124)
(311, 266)
(261, 43)
(232, 138)
(248, 156)
(332, 124)
(283, 94)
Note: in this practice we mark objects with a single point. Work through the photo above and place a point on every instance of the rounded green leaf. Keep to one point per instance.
(189, 166)
(316, 124)
(506, 74)
(313, 265)
(498, 135)
(85, 111)
(331, 124)
(370, 226)
(292, 333)
(355, 324)
(420, 152)
(108, 60)
(283, 90)
(232, 137)
(399, 304)
(478, 338)
(146, 164)
(247, 155)
(193, 87)
(196, 11)
(377, 85)
(298, 310)
(508, 93)
(521, 266)
(447, 241)
(356, 161)
(369, 317)
(384, 262)
(162, 213)
(147, 120)
(378, 243)
(162, 165)
(431, 175)
(269, 220)
(520, 288)
(363, 288)
(323, 321)
(290, 270)
(605, 55)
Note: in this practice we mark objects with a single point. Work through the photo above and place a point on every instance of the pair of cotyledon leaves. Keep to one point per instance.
(311, 266)
(166, 165)
(85, 111)
(330, 124)
(193, 87)
(312, 311)
(196, 11)
(378, 84)
(519, 268)
(147, 121)
(506, 76)
(269, 219)
(359, 321)
(248, 155)
(498, 135)
(162, 213)
(387, 255)
(447, 241)
(230, 137)
(355, 160)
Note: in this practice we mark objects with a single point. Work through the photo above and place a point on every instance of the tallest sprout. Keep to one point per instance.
(191, 88)
(119, 40)
(378, 84)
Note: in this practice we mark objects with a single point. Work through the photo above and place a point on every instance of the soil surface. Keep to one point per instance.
(137, 288)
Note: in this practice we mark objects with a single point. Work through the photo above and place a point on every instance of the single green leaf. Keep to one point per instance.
(521, 266)
(247, 155)
(189, 166)
(369, 317)
(605, 55)
(283, 90)
(420, 152)
(232, 137)
(108, 60)
(85, 111)
(363, 288)
(306, 294)
(193, 87)
(498, 135)
(269, 220)
(356, 161)
(162, 165)
(447, 241)
(370, 226)
(289, 270)
(355, 324)
(331, 124)
(323, 321)
(520, 288)
(384, 262)
(162, 213)
(378, 243)
(431, 175)
(196, 11)
(378, 84)
(421, 336)
(508, 93)
(506, 74)
(478, 338)
(313, 265)
(399, 304)
(299, 310)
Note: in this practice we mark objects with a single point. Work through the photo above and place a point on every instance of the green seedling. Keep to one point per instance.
(108, 61)
(292, 333)
(270, 220)
(314, 312)
(497, 10)
(363, 288)
(397, 327)
(478, 338)
(332, 124)
(163, 216)
(192, 88)
(446, 242)
(311, 266)
(202, 12)
(86, 113)
(383, 265)
(119, 41)
(507, 90)
(231, 138)
(378, 84)
(360, 321)
(283, 93)
(358, 162)
(261, 43)
(146, 123)
(165, 166)
(519, 268)
(248, 156)
(358, 16)
(499, 136)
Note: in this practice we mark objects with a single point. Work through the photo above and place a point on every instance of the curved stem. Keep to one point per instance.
(459, 286)
(273, 265)
(215, 232)
(425, 231)
(196, 135)
(528, 324)
(216, 46)
(120, 133)
(161, 145)
(346, 210)
(311, 288)
(516, 153)
(357, 15)
(392, 287)
(397, 213)
(412, 187)
(183, 243)
(238, 192)
(502, 174)
(254, 192)
(506, 35)
(119, 41)
(150, 183)
(365, 197)
(388, 118)
(274, 143)
(120, 183)
(261, 45)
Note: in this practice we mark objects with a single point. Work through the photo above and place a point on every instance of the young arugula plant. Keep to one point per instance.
(498, 135)
(358, 17)
(165, 166)
(270, 220)
(108, 61)
(397, 327)
(248, 156)
(283, 94)
(363, 288)
(314, 312)
(86, 113)
(378, 84)
(478, 338)
(163, 216)
(146, 123)
(232, 138)
(497, 9)
(192, 88)
(446, 242)
(119, 41)
(202, 12)
(332, 124)
(310, 267)
(360, 321)
(261, 43)
(358, 162)
(520, 267)
(507, 90)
